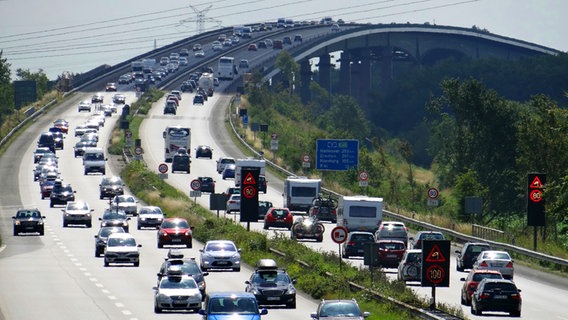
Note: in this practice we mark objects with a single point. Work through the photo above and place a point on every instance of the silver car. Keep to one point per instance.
(220, 254)
(410, 267)
(150, 216)
(122, 248)
(125, 203)
(79, 213)
(177, 292)
(495, 260)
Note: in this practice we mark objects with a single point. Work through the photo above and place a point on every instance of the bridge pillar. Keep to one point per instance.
(324, 67)
(386, 66)
(361, 76)
(345, 73)
(305, 78)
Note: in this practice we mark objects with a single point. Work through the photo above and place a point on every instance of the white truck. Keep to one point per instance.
(360, 213)
(299, 192)
(240, 163)
(207, 82)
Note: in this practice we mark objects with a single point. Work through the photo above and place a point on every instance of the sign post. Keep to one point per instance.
(363, 178)
(163, 169)
(339, 236)
(195, 189)
(433, 195)
(435, 266)
(249, 195)
(306, 161)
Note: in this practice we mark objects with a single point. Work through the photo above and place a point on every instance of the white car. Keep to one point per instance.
(122, 248)
(495, 260)
(223, 162)
(177, 291)
(84, 106)
(77, 212)
(234, 203)
(150, 216)
(220, 254)
(126, 203)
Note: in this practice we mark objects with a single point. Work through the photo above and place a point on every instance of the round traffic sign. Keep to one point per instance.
(249, 192)
(435, 274)
(195, 185)
(433, 193)
(138, 150)
(536, 196)
(339, 234)
(306, 158)
(363, 176)
(274, 136)
(163, 168)
(128, 134)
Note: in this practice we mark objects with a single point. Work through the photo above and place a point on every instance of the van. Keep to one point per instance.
(299, 192)
(94, 160)
(180, 162)
(360, 213)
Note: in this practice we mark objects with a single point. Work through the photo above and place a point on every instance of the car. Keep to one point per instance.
(262, 184)
(217, 46)
(110, 187)
(271, 285)
(201, 92)
(114, 218)
(183, 52)
(122, 248)
(227, 43)
(197, 47)
(223, 161)
(125, 79)
(107, 110)
(47, 184)
(164, 61)
(84, 106)
(278, 218)
(198, 99)
(252, 47)
(183, 61)
(203, 151)
(472, 280)
(324, 209)
(207, 184)
(199, 54)
(229, 172)
(149, 217)
(28, 221)
(234, 203)
(80, 130)
(495, 260)
(177, 291)
(111, 86)
(181, 162)
(298, 38)
(175, 231)
(339, 309)
(102, 236)
(466, 256)
(356, 242)
(119, 98)
(187, 266)
(277, 44)
(97, 98)
(39, 152)
(81, 146)
(125, 203)
(392, 230)
(61, 124)
(234, 190)
(262, 45)
(61, 194)
(410, 267)
(335, 27)
(307, 228)
(425, 235)
(170, 108)
(46, 140)
(244, 64)
(43, 168)
(287, 40)
(263, 206)
(235, 305)
(78, 213)
(496, 295)
(220, 254)
(390, 252)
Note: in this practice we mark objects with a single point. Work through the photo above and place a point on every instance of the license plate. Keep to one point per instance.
(273, 298)
(499, 296)
(176, 240)
(360, 250)
(222, 262)
(391, 255)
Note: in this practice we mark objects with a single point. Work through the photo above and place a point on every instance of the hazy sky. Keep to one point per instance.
(76, 35)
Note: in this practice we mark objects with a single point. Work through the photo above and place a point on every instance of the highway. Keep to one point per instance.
(57, 276)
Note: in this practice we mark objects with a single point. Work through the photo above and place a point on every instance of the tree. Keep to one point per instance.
(6, 89)
(289, 69)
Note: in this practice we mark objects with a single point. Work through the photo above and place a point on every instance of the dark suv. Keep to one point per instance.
(28, 220)
(425, 235)
(468, 254)
(272, 285)
(188, 266)
(46, 140)
(61, 194)
(207, 184)
(339, 309)
(110, 187)
(496, 295)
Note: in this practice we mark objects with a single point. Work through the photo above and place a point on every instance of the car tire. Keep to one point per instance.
(266, 226)
(137, 263)
(89, 225)
(291, 305)
(51, 204)
(320, 239)
(515, 314)
(16, 233)
(463, 301)
(97, 253)
(237, 269)
(65, 224)
(157, 309)
(160, 245)
(458, 268)
(106, 263)
(138, 227)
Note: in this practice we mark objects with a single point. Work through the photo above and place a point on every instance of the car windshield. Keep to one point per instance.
(106, 231)
(432, 236)
(178, 283)
(111, 182)
(270, 277)
(175, 224)
(155, 210)
(109, 215)
(480, 276)
(340, 309)
(61, 189)
(492, 286)
(220, 305)
(391, 245)
(94, 156)
(121, 242)
(28, 214)
(280, 213)
(187, 267)
(77, 206)
(122, 199)
(220, 247)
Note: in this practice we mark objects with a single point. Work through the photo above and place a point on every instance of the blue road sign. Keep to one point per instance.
(337, 155)
(245, 120)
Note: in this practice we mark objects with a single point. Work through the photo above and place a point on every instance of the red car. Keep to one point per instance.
(175, 231)
(63, 125)
(390, 252)
(252, 47)
(473, 279)
(278, 218)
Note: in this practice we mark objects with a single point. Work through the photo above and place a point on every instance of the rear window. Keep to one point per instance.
(480, 276)
(362, 212)
(391, 246)
(432, 236)
(363, 237)
(303, 192)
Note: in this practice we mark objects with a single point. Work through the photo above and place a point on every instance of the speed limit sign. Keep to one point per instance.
(163, 168)
(195, 185)
(433, 193)
(363, 176)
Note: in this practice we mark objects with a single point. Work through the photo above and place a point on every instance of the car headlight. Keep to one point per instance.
(201, 285)
(17, 222)
(124, 223)
(104, 223)
(142, 219)
(291, 290)
(163, 297)
(255, 292)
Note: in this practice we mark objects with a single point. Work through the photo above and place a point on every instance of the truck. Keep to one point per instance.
(249, 162)
(299, 192)
(360, 213)
(137, 66)
(176, 139)
(207, 82)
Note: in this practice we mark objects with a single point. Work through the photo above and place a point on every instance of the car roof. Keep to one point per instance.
(236, 294)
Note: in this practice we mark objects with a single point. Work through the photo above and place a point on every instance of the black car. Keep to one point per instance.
(115, 218)
(58, 140)
(207, 184)
(188, 266)
(198, 99)
(262, 184)
(181, 162)
(272, 285)
(170, 108)
(102, 236)
(203, 152)
(61, 194)
(468, 254)
(28, 221)
(81, 146)
(496, 295)
(186, 86)
(39, 152)
(356, 242)
(425, 235)
(110, 187)
(46, 140)
(263, 207)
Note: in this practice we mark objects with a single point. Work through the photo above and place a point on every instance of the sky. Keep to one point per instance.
(59, 36)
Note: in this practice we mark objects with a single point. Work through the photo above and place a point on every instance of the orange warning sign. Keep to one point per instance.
(435, 255)
(536, 184)
(249, 179)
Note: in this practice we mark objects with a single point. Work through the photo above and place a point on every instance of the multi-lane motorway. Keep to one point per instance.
(57, 276)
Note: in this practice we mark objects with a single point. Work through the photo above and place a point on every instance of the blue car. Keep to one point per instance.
(229, 172)
(235, 305)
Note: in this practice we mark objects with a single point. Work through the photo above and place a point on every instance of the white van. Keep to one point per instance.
(94, 160)
(360, 213)
(299, 192)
